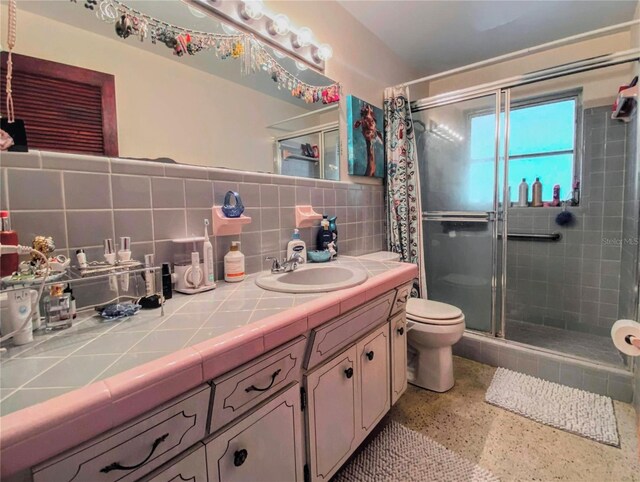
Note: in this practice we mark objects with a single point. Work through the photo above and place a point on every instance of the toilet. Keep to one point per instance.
(433, 328)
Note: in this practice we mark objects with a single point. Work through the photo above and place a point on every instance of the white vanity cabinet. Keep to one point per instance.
(347, 396)
(296, 413)
(266, 446)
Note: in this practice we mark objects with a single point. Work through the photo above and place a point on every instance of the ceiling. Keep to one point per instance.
(435, 36)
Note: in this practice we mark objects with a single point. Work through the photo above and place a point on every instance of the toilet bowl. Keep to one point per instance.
(434, 328)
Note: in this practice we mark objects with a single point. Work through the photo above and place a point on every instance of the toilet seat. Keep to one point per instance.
(433, 312)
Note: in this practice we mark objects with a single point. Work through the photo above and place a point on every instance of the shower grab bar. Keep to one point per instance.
(447, 219)
(534, 236)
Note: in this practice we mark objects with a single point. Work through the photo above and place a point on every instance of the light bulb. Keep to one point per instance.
(324, 52)
(252, 9)
(279, 25)
(303, 38)
(300, 66)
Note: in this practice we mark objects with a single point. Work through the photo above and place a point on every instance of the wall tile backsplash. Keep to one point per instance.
(80, 200)
(575, 283)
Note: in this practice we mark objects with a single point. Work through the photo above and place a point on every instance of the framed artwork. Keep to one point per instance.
(365, 139)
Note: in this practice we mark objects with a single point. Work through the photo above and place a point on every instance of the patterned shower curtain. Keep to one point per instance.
(404, 223)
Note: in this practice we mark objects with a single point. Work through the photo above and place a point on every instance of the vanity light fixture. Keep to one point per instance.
(252, 9)
(274, 29)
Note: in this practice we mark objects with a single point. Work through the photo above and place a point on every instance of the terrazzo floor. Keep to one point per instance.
(511, 446)
(583, 345)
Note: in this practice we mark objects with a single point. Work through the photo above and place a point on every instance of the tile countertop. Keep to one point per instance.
(72, 385)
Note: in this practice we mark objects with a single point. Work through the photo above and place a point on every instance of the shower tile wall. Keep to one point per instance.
(574, 283)
(628, 301)
(80, 200)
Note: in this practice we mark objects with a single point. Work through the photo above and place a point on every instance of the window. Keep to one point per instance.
(542, 143)
(64, 108)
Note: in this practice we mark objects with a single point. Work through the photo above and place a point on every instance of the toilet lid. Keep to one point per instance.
(432, 312)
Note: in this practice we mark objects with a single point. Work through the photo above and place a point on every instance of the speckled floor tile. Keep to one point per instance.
(511, 446)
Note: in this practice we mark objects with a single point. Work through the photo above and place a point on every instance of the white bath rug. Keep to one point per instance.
(576, 411)
(398, 454)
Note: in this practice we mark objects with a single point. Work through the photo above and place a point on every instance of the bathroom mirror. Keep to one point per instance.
(192, 109)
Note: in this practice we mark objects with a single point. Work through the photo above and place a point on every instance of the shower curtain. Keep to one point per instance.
(404, 223)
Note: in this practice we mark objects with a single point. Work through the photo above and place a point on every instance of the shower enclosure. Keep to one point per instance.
(514, 270)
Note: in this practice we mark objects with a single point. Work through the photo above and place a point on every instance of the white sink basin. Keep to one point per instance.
(313, 278)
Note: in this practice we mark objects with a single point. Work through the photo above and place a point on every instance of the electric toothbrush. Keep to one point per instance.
(207, 252)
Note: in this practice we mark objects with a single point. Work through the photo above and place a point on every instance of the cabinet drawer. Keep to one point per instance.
(242, 389)
(265, 446)
(331, 337)
(135, 449)
(402, 295)
(192, 467)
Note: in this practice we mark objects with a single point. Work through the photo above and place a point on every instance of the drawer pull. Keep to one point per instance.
(239, 457)
(117, 466)
(370, 355)
(403, 299)
(401, 331)
(273, 379)
(349, 372)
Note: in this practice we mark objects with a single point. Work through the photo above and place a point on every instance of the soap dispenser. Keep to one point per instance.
(297, 245)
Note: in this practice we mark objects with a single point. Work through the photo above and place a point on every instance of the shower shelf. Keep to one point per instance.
(626, 104)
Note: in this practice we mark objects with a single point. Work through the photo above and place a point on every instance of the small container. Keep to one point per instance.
(297, 245)
(8, 262)
(234, 264)
(316, 256)
(57, 309)
(82, 258)
(167, 290)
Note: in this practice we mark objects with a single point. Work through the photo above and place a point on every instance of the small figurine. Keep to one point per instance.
(332, 249)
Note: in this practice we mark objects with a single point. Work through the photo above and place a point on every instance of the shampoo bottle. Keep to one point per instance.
(523, 194)
(234, 264)
(297, 245)
(536, 194)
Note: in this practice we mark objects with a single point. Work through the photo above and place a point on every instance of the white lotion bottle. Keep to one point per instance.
(207, 252)
(234, 264)
(297, 245)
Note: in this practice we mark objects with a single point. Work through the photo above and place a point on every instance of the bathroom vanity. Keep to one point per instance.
(288, 397)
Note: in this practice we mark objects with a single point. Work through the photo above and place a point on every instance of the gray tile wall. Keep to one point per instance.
(628, 301)
(80, 200)
(574, 284)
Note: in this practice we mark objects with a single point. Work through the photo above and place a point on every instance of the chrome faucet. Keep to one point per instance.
(286, 265)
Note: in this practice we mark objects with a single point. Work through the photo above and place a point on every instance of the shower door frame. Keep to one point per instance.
(502, 90)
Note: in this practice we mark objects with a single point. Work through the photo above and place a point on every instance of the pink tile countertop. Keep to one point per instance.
(128, 387)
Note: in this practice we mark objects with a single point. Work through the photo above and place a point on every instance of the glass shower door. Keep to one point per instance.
(458, 154)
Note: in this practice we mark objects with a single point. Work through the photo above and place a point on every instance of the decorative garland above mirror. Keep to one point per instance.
(254, 56)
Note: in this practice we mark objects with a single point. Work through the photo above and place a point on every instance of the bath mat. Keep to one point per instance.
(576, 411)
(398, 454)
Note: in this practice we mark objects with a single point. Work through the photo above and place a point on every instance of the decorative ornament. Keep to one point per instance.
(253, 55)
(43, 244)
